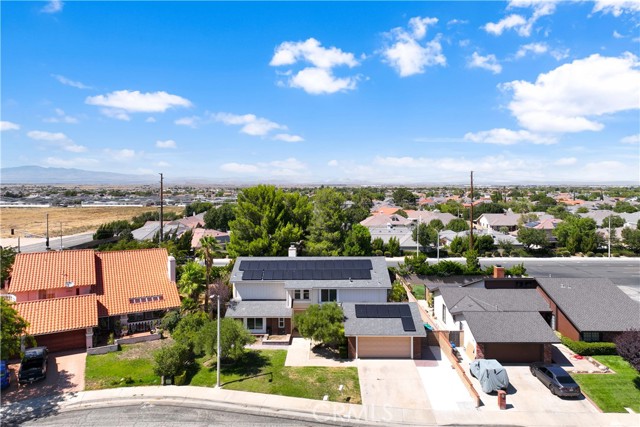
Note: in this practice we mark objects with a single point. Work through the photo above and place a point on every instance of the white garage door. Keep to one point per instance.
(387, 347)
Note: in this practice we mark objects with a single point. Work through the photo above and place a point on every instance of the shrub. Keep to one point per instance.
(378, 252)
(387, 254)
(590, 348)
(590, 254)
(397, 293)
(180, 379)
(170, 361)
(599, 255)
(628, 347)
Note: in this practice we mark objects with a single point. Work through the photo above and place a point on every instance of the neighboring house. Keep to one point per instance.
(547, 225)
(66, 295)
(404, 236)
(193, 221)
(387, 221)
(221, 237)
(496, 221)
(391, 330)
(150, 228)
(510, 325)
(589, 309)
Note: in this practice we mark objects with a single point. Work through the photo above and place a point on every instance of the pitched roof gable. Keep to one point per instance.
(465, 299)
(50, 270)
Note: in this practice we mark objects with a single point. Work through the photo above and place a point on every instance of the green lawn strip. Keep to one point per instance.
(613, 392)
(120, 369)
(418, 291)
(264, 372)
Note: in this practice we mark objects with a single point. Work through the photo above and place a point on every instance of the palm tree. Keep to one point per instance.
(209, 246)
(192, 281)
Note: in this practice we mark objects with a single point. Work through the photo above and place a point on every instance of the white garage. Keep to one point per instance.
(384, 347)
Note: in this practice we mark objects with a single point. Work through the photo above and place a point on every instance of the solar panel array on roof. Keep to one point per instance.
(386, 311)
(335, 269)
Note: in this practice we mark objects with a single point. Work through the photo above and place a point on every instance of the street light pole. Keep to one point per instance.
(609, 246)
(438, 245)
(218, 345)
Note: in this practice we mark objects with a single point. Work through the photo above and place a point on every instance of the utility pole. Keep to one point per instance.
(218, 344)
(161, 210)
(471, 217)
(418, 236)
(609, 248)
(47, 241)
(60, 235)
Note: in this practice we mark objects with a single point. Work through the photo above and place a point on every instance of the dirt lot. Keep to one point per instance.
(74, 219)
(65, 374)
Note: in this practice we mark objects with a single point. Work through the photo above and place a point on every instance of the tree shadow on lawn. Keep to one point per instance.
(636, 382)
(249, 365)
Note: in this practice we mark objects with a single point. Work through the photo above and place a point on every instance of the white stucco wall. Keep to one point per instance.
(261, 290)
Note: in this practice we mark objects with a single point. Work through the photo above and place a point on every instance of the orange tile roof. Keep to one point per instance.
(52, 315)
(50, 270)
(123, 275)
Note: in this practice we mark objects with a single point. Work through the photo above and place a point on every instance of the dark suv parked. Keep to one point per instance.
(34, 365)
(556, 379)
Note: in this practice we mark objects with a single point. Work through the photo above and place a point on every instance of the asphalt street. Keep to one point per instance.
(55, 243)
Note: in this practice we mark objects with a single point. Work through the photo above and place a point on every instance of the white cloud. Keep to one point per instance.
(332, 163)
(507, 23)
(488, 62)
(69, 163)
(616, 7)
(251, 124)
(124, 154)
(609, 170)
(163, 164)
(290, 163)
(566, 161)
(288, 137)
(567, 98)
(407, 55)
(169, 143)
(617, 35)
(54, 6)
(68, 82)
(631, 139)
(115, 114)
(457, 22)
(508, 137)
(318, 81)
(61, 117)
(239, 168)
(150, 120)
(188, 121)
(534, 48)
(57, 138)
(401, 162)
(320, 78)
(4, 126)
(121, 102)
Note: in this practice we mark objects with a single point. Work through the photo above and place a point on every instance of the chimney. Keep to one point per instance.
(293, 251)
(498, 272)
(171, 268)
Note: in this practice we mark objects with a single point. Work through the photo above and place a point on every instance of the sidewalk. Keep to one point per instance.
(321, 411)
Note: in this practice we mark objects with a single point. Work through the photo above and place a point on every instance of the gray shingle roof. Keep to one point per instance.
(467, 299)
(388, 327)
(433, 283)
(258, 308)
(515, 327)
(593, 304)
(379, 274)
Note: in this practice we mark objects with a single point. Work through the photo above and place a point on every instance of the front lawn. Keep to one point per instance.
(264, 372)
(418, 291)
(613, 392)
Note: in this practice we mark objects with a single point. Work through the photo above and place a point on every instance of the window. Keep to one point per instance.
(281, 322)
(254, 323)
(46, 295)
(591, 336)
(301, 294)
(444, 313)
(327, 295)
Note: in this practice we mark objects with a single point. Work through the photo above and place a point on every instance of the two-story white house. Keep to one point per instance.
(269, 291)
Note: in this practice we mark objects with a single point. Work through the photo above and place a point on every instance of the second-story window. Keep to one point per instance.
(327, 295)
(302, 294)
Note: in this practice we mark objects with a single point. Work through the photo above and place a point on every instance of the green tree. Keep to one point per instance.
(616, 221)
(485, 208)
(531, 237)
(436, 224)
(426, 235)
(582, 210)
(504, 246)
(624, 207)
(377, 245)
(192, 280)
(323, 323)
(171, 361)
(559, 211)
(577, 234)
(219, 218)
(197, 207)
(328, 227)
(208, 249)
(13, 327)
(397, 293)
(358, 242)
(496, 197)
(402, 213)
(267, 221)
(233, 339)
(7, 258)
(394, 246)
(458, 225)
(631, 238)
(112, 229)
(473, 263)
(404, 197)
(189, 328)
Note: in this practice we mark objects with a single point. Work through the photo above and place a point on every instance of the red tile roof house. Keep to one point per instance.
(66, 296)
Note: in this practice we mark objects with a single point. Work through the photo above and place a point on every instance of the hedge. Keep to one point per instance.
(590, 348)
(180, 379)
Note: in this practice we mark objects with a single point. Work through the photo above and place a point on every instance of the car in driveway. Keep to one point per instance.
(556, 379)
(34, 365)
(5, 375)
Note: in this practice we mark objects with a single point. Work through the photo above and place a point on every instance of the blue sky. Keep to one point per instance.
(328, 92)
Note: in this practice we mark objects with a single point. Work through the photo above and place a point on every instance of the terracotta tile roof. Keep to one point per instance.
(50, 270)
(124, 275)
(199, 233)
(59, 314)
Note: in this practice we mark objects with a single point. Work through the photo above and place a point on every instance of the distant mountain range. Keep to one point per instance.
(41, 175)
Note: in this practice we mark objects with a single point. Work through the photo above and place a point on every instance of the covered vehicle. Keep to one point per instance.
(34, 365)
(490, 373)
(556, 379)
(5, 377)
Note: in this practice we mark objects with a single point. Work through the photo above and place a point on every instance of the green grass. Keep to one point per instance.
(131, 366)
(264, 372)
(612, 392)
(418, 291)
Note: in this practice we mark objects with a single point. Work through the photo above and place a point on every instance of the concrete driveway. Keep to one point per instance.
(527, 393)
(391, 383)
(65, 374)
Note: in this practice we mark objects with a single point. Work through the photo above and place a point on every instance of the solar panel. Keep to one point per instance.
(372, 311)
(394, 311)
(407, 324)
(383, 311)
(307, 275)
(298, 275)
(405, 311)
(278, 275)
(361, 310)
(268, 275)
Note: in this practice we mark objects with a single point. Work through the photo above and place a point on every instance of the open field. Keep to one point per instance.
(74, 219)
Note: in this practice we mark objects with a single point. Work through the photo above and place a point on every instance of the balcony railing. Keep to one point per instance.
(143, 325)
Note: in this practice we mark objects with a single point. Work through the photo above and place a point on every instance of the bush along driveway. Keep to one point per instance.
(613, 392)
